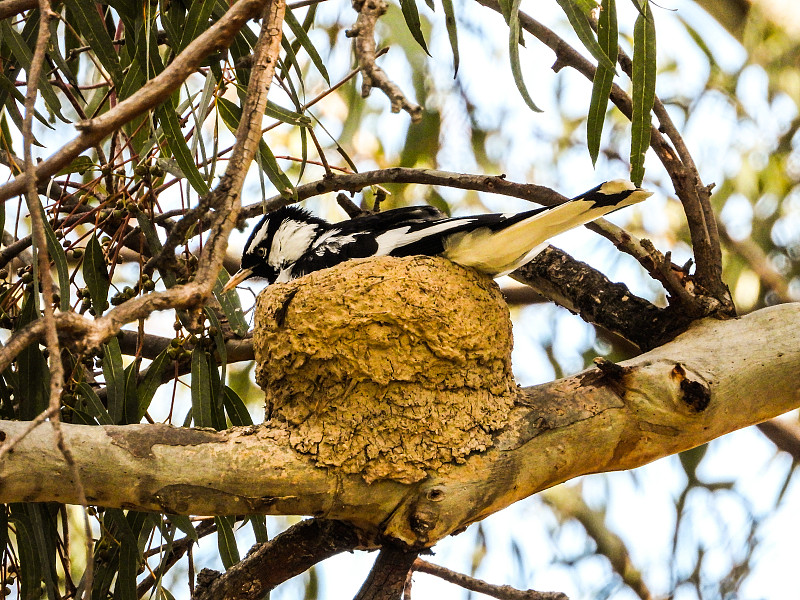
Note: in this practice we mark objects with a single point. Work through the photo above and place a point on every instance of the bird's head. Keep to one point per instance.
(275, 245)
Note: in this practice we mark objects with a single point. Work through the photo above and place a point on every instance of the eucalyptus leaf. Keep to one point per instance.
(200, 389)
(607, 36)
(513, 51)
(226, 541)
(411, 16)
(644, 89)
(95, 274)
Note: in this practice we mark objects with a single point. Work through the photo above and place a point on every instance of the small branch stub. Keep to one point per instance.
(408, 363)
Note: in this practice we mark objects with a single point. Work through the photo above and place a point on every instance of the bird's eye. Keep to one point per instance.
(262, 252)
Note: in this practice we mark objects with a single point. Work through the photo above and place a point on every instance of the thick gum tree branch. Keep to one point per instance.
(618, 417)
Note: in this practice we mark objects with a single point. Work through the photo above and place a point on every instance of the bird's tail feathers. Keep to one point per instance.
(502, 251)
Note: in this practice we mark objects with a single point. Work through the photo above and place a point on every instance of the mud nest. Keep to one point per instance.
(386, 367)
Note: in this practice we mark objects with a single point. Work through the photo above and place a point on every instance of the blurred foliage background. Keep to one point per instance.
(716, 522)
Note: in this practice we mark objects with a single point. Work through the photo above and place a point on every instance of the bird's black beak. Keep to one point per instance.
(236, 279)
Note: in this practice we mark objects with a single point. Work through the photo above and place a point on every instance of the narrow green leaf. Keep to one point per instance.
(580, 23)
(409, 8)
(29, 563)
(168, 119)
(201, 390)
(13, 94)
(285, 115)
(236, 409)
(33, 374)
(204, 108)
(184, 523)
(513, 50)
(80, 417)
(95, 274)
(196, 21)
(54, 52)
(305, 42)
(131, 412)
(230, 304)
(259, 523)
(129, 558)
(226, 541)
(452, 31)
(59, 258)
(44, 535)
(88, 22)
(231, 114)
(94, 405)
(24, 56)
(151, 381)
(6, 141)
(644, 89)
(607, 36)
(275, 174)
(80, 165)
(217, 406)
(115, 380)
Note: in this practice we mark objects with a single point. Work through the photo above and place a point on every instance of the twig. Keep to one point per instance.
(387, 579)
(270, 564)
(176, 552)
(9, 8)
(658, 265)
(155, 91)
(504, 592)
(363, 32)
(784, 434)
(40, 239)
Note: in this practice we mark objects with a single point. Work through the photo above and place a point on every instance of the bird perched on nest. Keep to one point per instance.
(290, 242)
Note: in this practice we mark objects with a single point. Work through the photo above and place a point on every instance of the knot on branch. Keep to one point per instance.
(387, 367)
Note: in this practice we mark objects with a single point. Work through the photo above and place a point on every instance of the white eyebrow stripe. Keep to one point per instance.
(258, 235)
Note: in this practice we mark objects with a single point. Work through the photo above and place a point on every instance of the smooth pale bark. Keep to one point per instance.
(717, 377)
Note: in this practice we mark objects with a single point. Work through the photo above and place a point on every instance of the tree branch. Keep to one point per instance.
(155, 91)
(387, 578)
(503, 592)
(292, 552)
(588, 293)
(665, 401)
(364, 47)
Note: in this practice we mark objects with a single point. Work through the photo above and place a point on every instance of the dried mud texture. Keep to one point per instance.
(386, 367)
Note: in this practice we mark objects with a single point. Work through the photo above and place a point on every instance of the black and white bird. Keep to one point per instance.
(290, 242)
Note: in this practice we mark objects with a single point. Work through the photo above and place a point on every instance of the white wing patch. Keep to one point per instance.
(397, 238)
(291, 241)
(332, 241)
